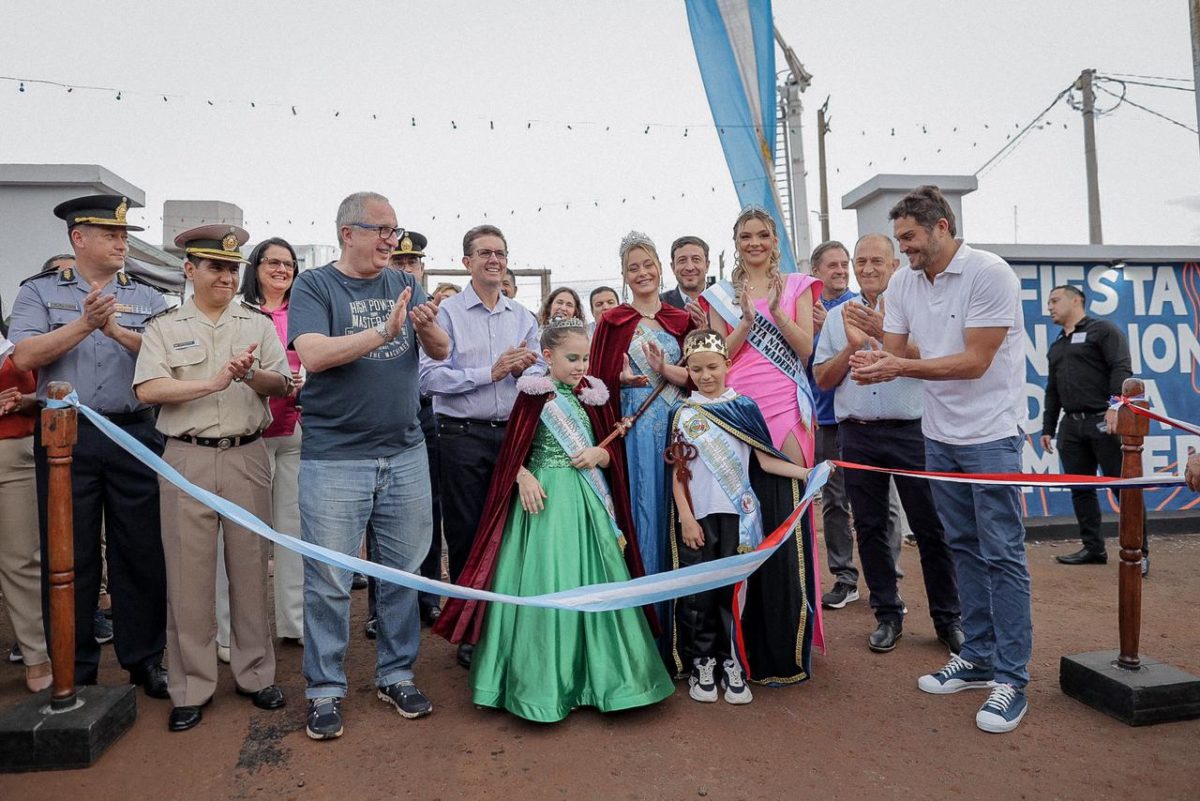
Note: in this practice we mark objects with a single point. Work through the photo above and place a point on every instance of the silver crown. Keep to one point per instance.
(567, 322)
(634, 239)
(753, 208)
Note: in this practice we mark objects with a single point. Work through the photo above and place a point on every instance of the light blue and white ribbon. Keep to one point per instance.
(592, 598)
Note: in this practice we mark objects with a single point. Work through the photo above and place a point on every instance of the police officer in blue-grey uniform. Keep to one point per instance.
(84, 325)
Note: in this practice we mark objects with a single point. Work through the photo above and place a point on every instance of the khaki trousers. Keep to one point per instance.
(20, 554)
(241, 476)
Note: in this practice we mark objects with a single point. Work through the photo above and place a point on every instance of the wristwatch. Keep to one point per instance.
(381, 329)
(246, 376)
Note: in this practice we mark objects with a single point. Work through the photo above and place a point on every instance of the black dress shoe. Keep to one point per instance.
(152, 679)
(430, 614)
(465, 651)
(184, 718)
(953, 639)
(269, 697)
(884, 638)
(1084, 556)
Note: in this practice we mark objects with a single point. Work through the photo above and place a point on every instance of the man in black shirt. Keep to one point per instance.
(1088, 363)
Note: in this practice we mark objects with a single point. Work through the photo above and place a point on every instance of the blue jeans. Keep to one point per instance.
(337, 501)
(984, 529)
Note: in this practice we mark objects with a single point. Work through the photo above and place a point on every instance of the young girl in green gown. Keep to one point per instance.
(561, 532)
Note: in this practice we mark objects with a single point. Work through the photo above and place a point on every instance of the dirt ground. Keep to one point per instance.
(859, 729)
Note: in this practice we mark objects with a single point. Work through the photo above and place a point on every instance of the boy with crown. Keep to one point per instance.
(724, 503)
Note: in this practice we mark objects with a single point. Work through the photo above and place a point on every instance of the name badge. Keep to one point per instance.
(191, 343)
(1079, 338)
(128, 309)
(63, 306)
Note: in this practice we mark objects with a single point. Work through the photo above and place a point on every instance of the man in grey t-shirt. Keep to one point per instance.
(355, 325)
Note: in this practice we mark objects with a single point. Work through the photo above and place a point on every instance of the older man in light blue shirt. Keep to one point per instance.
(880, 425)
(493, 341)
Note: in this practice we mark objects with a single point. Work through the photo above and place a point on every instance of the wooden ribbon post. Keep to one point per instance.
(1133, 429)
(59, 434)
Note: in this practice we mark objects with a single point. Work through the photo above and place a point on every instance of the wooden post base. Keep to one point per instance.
(34, 738)
(1155, 693)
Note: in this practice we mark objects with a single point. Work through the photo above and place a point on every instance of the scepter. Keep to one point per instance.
(626, 423)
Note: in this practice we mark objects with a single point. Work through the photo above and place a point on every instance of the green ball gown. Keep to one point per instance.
(540, 664)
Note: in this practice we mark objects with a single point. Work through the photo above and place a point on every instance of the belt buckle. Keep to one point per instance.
(225, 443)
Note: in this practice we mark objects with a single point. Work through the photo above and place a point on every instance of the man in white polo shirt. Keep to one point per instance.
(961, 307)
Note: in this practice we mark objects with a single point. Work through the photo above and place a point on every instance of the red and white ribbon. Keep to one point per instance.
(1053, 480)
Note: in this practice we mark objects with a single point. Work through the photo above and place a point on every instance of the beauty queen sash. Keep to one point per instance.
(573, 435)
(722, 460)
(642, 335)
(766, 338)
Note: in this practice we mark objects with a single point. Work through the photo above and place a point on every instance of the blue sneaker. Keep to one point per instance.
(1003, 711)
(957, 675)
(102, 628)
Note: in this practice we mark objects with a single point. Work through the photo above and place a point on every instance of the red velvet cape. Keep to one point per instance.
(461, 620)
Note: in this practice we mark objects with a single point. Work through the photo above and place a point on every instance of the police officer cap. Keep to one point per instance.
(106, 210)
(411, 244)
(218, 242)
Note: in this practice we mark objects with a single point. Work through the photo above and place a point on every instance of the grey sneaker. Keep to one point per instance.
(839, 595)
(736, 691)
(702, 686)
(408, 700)
(957, 675)
(324, 718)
(102, 628)
(1003, 710)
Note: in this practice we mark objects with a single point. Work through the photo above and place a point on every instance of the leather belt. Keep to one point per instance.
(881, 423)
(124, 418)
(1084, 415)
(222, 443)
(468, 421)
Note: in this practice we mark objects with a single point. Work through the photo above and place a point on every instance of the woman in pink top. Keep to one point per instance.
(781, 309)
(267, 284)
(769, 323)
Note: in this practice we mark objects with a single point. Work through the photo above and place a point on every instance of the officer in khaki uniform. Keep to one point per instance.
(211, 364)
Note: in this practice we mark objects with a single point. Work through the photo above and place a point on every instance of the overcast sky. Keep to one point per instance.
(513, 76)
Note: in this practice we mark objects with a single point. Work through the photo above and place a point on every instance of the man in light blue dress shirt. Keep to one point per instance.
(493, 341)
(880, 425)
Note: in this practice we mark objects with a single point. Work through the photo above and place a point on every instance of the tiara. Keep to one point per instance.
(633, 239)
(753, 208)
(567, 322)
(709, 343)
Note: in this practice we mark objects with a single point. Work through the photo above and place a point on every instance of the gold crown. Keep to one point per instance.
(709, 343)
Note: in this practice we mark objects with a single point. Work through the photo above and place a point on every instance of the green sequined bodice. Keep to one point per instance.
(545, 451)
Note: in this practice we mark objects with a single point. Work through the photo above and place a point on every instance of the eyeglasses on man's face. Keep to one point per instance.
(486, 255)
(384, 231)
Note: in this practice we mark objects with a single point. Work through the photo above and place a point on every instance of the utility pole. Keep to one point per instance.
(1195, 4)
(796, 82)
(1084, 84)
(822, 129)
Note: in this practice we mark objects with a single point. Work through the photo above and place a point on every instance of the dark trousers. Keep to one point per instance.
(705, 620)
(1084, 449)
(109, 485)
(432, 566)
(899, 447)
(467, 452)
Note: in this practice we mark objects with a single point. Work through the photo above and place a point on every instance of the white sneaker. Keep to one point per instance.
(701, 685)
(736, 691)
(223, 653)
(1003, 710)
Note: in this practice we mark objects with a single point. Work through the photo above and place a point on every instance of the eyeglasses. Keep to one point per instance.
(384, 231)
(486, 255)
(274, 263)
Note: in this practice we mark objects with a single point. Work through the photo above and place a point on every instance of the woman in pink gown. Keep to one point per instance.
(776, 313)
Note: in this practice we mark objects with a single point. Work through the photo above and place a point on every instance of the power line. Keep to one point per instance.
(1145, 83)
(1011, 144)
(1149, 110)
(1150, 77)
